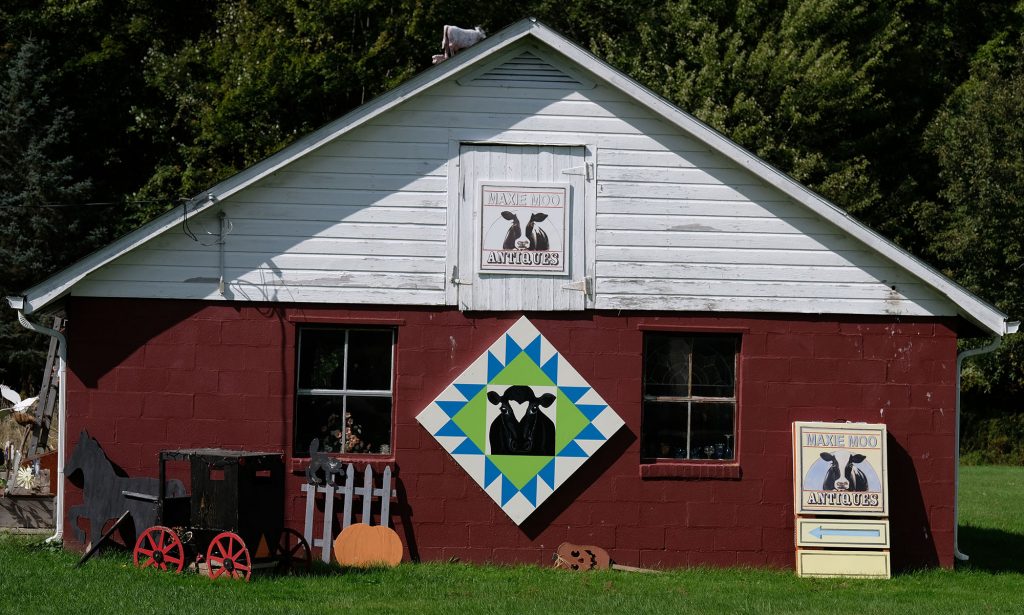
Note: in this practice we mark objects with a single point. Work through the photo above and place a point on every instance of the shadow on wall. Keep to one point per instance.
(403, 511)
(913, 545)
(114, 335)
(571, 490)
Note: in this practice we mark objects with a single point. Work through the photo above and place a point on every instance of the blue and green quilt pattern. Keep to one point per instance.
(520, 420)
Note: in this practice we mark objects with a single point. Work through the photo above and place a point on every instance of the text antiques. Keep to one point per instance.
(841, 499)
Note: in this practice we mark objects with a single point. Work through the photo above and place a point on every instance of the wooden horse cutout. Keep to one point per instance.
(104, 491)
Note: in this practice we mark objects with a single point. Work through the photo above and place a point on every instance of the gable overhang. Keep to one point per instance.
(970, 307)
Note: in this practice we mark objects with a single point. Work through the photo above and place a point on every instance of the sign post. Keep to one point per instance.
(841, 499)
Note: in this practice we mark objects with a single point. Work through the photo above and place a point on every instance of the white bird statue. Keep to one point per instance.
(20, 406)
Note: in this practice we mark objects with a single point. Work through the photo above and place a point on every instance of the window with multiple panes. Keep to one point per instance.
(344, 390)
(689, 396)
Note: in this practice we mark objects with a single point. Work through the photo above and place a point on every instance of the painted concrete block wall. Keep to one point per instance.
(147, 375)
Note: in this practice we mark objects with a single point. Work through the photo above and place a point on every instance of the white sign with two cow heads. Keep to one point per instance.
(524, 228)
(840, 469)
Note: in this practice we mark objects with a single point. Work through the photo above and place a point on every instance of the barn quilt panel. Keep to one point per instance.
(520, 420)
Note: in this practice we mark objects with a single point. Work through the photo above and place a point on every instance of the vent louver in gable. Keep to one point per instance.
(525, 69)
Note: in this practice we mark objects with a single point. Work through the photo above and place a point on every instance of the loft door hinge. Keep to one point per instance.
(585, 286)
(456, 280)
(587, 171)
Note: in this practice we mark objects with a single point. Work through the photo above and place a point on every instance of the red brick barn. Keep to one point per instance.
(685, 303)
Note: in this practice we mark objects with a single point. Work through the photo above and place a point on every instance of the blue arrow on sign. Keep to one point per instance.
(820, 532)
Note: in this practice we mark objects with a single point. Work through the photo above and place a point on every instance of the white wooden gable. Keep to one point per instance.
(372, 209)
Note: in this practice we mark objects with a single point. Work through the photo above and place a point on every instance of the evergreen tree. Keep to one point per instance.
(39, 232)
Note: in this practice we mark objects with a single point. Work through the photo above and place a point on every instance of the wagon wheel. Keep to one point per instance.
(159, 547)
(292, 552)
(227, 555)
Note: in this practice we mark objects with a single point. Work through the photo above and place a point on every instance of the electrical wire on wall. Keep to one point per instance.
(225, 226)
(225, 229)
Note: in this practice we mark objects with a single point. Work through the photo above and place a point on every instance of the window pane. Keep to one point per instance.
(369, 360)
(666, 365)
(663, 433)
(318, 417)
(321, 359)
(714, 367)
(711, 431)
(369, 425)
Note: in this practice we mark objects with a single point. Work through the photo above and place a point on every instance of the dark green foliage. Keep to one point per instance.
(34, 173)
(978, 140)
(994, 440)
(793, 82)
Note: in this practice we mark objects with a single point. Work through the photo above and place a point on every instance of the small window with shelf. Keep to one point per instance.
(689, 396)
(344, 390)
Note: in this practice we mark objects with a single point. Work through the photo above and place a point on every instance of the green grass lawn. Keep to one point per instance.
(39, 580)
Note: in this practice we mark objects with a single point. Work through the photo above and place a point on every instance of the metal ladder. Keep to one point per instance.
(48, 393)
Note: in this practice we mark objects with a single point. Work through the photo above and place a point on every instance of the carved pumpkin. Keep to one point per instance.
(364, 545)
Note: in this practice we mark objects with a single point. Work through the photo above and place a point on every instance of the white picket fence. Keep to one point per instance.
(348, 491)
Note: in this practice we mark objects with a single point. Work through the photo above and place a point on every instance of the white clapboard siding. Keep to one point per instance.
(796, 305)
(379, 214)
(266, 290)
(673, 225)
(255, 260)
(696, 255)
(748, 288)
(742, 271)
(320, 278)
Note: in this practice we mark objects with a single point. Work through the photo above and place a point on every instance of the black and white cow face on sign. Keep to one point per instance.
(843, 473)
(521, 420)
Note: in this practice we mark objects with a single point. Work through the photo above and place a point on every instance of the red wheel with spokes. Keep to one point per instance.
(227, 555)
(161, 548)
(292, 553)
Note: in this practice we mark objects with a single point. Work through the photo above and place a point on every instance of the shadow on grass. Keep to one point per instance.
(991, 550)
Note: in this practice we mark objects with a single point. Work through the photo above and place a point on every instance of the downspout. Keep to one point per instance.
(62, 362)
(1011, 328)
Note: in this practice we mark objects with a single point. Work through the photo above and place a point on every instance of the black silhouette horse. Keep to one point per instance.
(103, 488)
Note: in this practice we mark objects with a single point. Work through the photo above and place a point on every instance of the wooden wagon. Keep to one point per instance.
(231, 524)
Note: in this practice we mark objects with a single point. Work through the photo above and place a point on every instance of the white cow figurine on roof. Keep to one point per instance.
(456, 39)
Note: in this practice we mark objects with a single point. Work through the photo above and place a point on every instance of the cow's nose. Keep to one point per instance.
(842, 485)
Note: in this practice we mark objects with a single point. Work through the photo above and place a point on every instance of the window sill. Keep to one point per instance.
(690, 470)
(298, 465)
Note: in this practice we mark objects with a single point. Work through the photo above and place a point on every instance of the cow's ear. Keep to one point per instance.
(857, 458)
(508, 215)
(494, 398)
(540, 217)
(828, 457)
(546, 399)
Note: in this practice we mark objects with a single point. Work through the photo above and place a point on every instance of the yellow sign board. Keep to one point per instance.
(864, 564)
(840, 469)
(870, 533)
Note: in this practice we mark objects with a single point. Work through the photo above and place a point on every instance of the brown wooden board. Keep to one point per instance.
(94, 547)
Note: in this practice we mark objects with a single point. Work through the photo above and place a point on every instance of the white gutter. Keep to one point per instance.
(1010, 328)
(62, 363)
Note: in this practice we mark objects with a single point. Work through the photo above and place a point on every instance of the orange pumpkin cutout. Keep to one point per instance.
(362, 546)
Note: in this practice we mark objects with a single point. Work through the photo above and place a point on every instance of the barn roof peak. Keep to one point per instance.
(973, 309)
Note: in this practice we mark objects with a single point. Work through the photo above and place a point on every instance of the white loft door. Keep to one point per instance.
(564, 169)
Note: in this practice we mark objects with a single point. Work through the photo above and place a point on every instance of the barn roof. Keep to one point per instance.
(970, 307)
